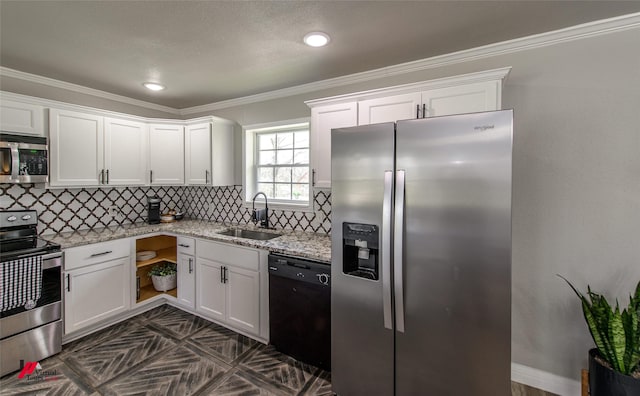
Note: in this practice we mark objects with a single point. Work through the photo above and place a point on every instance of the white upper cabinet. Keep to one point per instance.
(90, 150)
(323, 119)
(222, 159)
(389, 108)
(21, 118)
(125, 152)
(166, 154)
(76, 148)
(468, 98)
(198, 153)
(469, 93)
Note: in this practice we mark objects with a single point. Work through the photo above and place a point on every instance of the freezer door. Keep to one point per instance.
(456, 263)
(361, 345)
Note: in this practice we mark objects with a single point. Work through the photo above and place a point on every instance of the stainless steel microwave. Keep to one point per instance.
(23, 159)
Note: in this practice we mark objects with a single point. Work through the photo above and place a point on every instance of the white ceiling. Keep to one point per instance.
(210, 51)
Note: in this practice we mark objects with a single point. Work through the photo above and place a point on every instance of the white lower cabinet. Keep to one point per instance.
(186, 273)
(228, 285)
(95, 292)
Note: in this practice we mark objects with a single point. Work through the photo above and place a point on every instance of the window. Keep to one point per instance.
(280, 164)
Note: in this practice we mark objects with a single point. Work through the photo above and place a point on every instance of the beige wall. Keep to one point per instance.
(576, 181)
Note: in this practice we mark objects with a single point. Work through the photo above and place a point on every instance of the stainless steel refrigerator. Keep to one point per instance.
(421, 257)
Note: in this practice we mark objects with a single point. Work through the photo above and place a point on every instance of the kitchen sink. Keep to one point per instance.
(249, 234)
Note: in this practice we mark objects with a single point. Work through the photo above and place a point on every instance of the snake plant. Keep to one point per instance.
(616, 333)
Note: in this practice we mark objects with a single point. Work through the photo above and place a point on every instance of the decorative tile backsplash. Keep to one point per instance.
(62, 210)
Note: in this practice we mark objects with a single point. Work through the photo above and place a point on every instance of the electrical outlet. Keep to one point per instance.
(114, 211)
(212, 207)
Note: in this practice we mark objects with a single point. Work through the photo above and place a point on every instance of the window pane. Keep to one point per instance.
(283, 175)
(285, 157)
(302, 139)
(267, 157)
(301, 156)
(285, 140)
(266, 188)
(265, 174)
(283, 191)
(267, 141)
(300, 192)
(300, 175)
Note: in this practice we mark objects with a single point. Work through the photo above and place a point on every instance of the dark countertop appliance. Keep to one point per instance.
(153, 209)
(31, 293)
(300, 309)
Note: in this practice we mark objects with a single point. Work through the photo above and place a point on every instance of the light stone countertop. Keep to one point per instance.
(293, 243)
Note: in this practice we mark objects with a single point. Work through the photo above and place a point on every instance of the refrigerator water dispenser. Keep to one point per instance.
(360, 250)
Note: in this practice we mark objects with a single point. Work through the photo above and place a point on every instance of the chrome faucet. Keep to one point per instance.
(261, 215)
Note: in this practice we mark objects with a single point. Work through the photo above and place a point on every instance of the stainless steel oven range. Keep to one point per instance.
(30, 292)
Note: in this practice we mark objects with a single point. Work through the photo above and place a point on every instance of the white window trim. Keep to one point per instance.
(248, 167)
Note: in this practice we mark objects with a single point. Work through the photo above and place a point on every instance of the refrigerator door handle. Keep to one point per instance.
(398, 242)
(386, 249)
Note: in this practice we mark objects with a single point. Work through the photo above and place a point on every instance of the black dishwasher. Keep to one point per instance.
(300, 309)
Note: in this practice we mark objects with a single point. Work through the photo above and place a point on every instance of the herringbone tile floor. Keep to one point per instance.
(166, 351)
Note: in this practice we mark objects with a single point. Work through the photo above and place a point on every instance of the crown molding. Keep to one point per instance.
(578, 32)
(572, 33)
(34, 78)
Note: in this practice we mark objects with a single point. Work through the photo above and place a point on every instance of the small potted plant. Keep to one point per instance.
(614, 365)
(163, 276)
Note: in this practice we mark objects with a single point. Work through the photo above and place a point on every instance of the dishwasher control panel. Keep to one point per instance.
(300, 269)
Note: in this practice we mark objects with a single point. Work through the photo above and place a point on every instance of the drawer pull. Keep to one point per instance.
(101, 254)
(183, 245)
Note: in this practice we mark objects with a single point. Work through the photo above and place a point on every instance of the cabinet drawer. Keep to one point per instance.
(186, 246)
(229, 254)
(96, 253)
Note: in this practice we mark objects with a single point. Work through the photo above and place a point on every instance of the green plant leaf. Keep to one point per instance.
(618, 340)
(616, 333)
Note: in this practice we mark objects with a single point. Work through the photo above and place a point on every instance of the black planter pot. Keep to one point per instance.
(604, 381)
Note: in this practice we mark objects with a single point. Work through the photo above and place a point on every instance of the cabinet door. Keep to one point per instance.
(389, 108)
(95, 292)
(198, 153)
(21, 118)
(210, 289)
(125, 152)
(76, 148)
(166, 154)
(323, 119)
(222, 158)
(243, 299)
(186, 281)
(468, 98)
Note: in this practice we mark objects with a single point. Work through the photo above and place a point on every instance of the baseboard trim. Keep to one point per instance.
(545, 381)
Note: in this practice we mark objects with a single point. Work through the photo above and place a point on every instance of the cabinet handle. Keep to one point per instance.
(417, 111)
(221, 274)
(150, 176)
(101, 254)
(183, 245)
(225, 275)
(313, 177)
(206, 177)
(68, 283)
(424, 111)
(190, 265)
(101, 177)
(107, 176)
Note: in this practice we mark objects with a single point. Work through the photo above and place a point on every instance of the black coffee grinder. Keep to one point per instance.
(153, 209)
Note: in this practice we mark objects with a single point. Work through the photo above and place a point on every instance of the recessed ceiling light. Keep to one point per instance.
(316, 39)
(154, 86)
